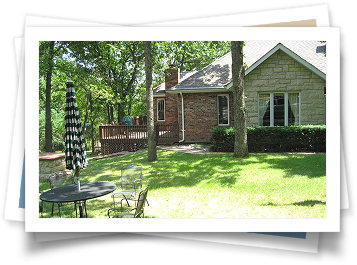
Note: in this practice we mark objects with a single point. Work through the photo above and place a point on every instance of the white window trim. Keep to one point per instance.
(157, 109)
(286, 110)
(219, 124)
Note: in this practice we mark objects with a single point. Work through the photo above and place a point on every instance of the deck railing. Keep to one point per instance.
(117, 138)
(167, 133)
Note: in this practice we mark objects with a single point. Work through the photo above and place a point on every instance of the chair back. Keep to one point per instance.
(61, 178)
(131, 178)
(141, 202)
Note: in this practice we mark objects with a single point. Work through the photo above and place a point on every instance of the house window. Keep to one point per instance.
(161, 109)
(223, 109)
(279, 109)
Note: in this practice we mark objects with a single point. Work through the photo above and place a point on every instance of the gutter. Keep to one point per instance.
(196, 90)
(183, 119)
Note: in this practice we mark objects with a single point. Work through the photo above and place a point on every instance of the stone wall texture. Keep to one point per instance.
(281, 73)
(47, 167)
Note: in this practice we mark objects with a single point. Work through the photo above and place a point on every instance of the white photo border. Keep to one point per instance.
(35, 224)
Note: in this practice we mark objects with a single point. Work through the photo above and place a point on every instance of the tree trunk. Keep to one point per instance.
(48, 126)
(90, 101)
(120, 112)
(110, 113)
(152, 156)
(86, 115)
(240, 127)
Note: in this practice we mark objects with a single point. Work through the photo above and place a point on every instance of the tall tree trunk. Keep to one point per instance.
(240, 127)
(90, 103)
(111, 109)
(48, 126)
(110, 113)
(152, 156)
(120, 112)
(86, 116)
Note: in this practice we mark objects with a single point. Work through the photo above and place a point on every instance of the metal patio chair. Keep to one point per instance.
(136, 212)
(59, 179)
(131, 183)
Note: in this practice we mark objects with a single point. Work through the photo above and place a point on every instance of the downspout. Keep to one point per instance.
(183, 119)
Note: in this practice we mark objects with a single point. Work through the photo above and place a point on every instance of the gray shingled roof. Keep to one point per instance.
(160, 89)
(219, 73)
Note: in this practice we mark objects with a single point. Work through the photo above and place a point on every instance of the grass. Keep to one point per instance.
(216, 185)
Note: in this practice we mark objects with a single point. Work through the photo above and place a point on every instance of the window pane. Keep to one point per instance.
(264, 110)
(223, 111)
(279, 109)
(294, 114)
(160, 110)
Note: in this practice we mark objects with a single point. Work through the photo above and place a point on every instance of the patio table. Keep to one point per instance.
(71, 193)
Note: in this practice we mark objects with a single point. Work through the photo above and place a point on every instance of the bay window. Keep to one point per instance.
(279, 109)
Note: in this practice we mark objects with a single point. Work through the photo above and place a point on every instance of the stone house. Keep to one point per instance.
(285, 84)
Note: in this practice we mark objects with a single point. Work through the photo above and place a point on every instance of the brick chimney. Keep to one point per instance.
(172, 76)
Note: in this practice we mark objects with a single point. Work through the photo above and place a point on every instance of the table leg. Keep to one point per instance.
(85, 207)
(75, 206)
(80, 210)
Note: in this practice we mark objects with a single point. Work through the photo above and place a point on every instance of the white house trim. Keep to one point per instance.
(197, 90)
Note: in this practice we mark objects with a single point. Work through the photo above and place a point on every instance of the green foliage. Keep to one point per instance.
(187, 55)
(309, 138)
(109, 76)
(58, 129)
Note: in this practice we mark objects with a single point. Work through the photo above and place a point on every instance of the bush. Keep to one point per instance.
(310, 138)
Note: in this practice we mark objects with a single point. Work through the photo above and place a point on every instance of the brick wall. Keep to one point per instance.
(172, 77)
(171, 111)
(200, 115)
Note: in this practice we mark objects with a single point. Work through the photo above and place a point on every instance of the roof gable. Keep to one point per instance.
(217, 76)
(291, 54)
(311, 55)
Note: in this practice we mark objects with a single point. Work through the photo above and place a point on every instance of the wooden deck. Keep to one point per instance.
(117, 138)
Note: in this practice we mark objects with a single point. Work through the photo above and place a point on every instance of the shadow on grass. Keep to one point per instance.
(308, 203)
(190, 169)
(186, 170)
(174, 169)
(307, 165)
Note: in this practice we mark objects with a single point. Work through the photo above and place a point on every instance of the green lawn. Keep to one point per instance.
(216, 185)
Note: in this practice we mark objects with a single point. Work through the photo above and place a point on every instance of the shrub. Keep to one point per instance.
(309, 138)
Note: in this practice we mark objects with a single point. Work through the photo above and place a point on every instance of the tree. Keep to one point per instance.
(110, 77)
(116, 64)
(152, 156)
(48, 127)
(240, 127)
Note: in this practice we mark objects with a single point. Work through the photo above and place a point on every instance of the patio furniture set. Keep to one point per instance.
(130, 188)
